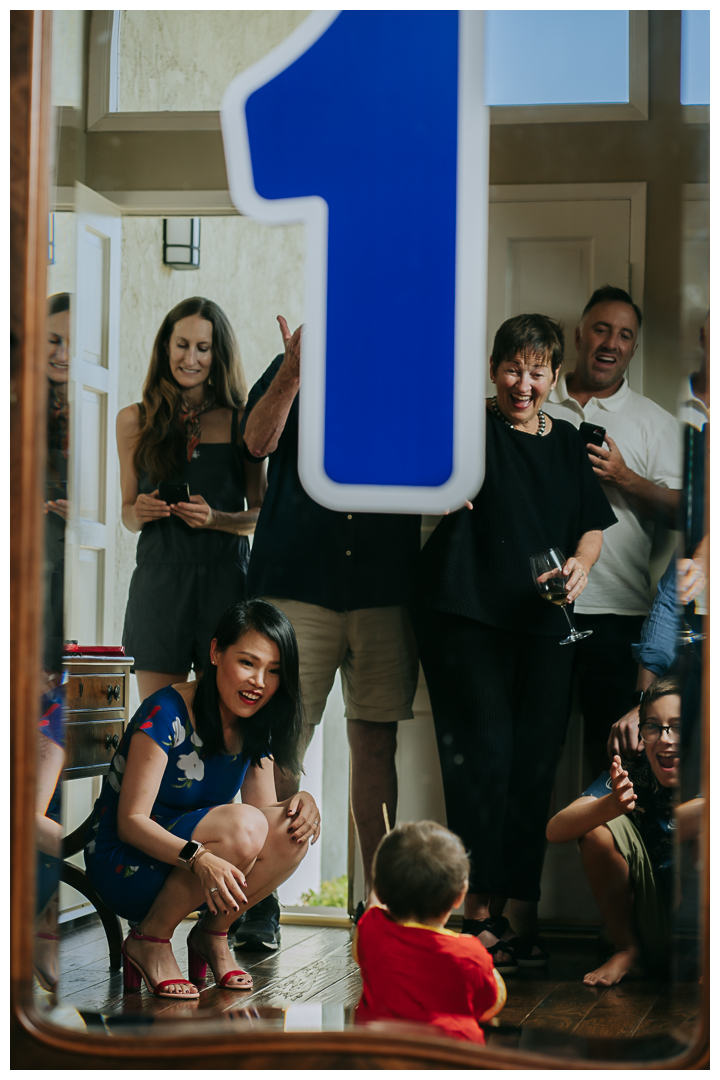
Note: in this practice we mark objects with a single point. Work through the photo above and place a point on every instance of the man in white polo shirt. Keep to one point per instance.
(639, 466)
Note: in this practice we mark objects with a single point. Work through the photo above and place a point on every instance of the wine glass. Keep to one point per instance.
(552, 585)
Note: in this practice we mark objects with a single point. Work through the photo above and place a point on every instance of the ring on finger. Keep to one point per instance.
(214, 889)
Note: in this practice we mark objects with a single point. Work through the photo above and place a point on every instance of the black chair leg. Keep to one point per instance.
(77, 878)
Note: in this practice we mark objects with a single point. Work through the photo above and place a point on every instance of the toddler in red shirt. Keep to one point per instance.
(413, 969)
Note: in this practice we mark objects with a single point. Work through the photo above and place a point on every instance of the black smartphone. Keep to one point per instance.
(592, 433)
(173, 493)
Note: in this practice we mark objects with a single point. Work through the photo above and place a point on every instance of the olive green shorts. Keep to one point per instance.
(652, 921)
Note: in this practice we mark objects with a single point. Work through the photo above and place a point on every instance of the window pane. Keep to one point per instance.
(695, 58)
(557, 57)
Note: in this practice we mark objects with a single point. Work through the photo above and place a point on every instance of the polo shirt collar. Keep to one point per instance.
(613, 403)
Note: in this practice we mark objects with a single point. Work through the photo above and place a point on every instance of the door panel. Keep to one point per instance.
(549, 256)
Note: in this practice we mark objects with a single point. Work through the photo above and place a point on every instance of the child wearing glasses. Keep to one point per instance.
(413, 969)
(625, 823)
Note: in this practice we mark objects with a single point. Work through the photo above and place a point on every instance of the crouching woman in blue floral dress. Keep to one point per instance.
(166, 838)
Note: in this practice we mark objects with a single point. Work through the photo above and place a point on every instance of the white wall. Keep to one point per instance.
(166, 62)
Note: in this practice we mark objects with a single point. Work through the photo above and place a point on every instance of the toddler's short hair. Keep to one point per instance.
(420, 869)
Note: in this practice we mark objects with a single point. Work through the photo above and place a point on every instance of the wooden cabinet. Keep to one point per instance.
(97, 700)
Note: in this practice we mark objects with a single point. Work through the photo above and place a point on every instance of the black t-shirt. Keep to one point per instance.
(303, 551)
(537, 493)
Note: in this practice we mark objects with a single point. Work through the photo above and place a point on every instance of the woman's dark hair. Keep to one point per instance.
(610, 293)
(660, 688)
(161, 442)
(276, 727)
(538, 335)
(420, 869)
(59, 301)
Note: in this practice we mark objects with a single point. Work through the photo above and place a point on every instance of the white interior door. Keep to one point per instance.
(90, 534)
(90, 538)
(551, 246)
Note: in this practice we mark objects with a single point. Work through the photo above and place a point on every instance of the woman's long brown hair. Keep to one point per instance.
(161, 442)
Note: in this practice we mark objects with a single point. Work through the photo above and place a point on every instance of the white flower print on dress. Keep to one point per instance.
(178, 735)
(195, 739)
(119, 763)
(114, 782)
(192, 766)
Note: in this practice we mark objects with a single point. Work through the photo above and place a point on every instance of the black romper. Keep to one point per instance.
(185, 578)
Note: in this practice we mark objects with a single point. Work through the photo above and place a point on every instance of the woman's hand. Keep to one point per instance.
(150, 507)
(221, 882)
(576, 573)
(306, 818)
(57, 506)
(623, 793)
(197, 513)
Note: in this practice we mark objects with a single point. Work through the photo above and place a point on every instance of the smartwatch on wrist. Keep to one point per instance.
(636, 698)
(189, 853)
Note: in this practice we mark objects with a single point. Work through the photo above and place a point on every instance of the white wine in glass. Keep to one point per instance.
(551, 583)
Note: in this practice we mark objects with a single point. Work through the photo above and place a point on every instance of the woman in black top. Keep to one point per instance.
(192, 556)
(498, 678)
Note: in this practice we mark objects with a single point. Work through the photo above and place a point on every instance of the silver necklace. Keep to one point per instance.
(541, 418)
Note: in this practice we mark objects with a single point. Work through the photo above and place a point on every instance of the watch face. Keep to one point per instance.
(189, 850)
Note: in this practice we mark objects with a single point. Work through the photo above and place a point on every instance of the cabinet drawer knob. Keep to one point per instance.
(117, 692)
(112, 740)
(116, 741)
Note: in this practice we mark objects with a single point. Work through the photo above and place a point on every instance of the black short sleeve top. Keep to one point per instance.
(537, 493)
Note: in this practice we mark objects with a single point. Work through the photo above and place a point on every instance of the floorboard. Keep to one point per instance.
(314, 965)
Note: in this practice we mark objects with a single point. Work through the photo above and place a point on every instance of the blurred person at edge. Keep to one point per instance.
(192, 556)
(684, 583)
(497, 673)
(639, 467)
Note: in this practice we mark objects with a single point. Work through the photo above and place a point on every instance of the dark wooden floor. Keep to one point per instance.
(314, 966)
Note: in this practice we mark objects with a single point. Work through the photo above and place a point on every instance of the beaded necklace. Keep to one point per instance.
(541, 418)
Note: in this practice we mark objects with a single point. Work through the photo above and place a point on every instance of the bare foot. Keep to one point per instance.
(616, 968)
(159, 963)
(215, 951)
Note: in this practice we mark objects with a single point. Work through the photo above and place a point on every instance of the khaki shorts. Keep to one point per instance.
(374, 649)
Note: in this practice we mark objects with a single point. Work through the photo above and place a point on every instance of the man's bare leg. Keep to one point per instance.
(286, 785)
(374, 782)
(609, 877)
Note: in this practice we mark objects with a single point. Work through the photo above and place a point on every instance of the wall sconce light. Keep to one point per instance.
(181, 243)
(51, 239)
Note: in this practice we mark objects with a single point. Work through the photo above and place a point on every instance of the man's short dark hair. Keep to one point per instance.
(660, 688)
(419, 870)
(538, 335)
(608, 293)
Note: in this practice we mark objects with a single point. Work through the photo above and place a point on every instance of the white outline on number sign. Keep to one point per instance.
(470, 279)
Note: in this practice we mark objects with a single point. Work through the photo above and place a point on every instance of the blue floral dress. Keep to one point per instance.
(52, 725)
(124, 877)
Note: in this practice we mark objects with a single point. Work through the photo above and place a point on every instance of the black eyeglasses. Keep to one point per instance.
(650, 733)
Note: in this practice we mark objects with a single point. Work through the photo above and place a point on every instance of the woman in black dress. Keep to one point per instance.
(498, 677)
(192, 556)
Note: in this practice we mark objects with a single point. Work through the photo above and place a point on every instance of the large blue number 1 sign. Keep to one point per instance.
(369, 128)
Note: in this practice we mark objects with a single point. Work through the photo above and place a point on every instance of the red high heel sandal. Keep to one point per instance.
(198, 965)
(133, 974)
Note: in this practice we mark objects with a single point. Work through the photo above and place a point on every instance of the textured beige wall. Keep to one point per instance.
(254, 272)
(184, 60)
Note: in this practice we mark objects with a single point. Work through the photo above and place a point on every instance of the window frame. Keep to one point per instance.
(102, 113)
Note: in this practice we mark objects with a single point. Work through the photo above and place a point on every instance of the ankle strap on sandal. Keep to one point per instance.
(135, 933)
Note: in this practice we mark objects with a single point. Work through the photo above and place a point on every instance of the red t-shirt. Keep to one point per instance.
(412, 972)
